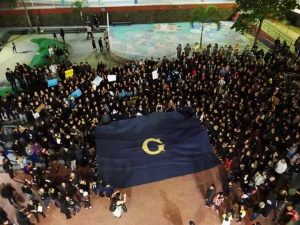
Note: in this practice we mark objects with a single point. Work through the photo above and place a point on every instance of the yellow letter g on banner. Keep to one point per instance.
(160, 146)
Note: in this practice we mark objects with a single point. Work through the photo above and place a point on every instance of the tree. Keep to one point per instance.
(78, 6)
(255, 12)
(12, 3)
(203, 15)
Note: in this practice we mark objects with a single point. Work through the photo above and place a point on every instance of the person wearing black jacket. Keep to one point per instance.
(26, 189)
(100, 42)
(35, 207)
(8, 167)
(62, 34)
(3, 218)
(210, 194)
(64, 206)
(8, 193)
(72, 205)
(23, 217)
(11, 78)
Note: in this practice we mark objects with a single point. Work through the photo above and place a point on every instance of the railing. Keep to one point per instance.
(275, 33)
(6, 4)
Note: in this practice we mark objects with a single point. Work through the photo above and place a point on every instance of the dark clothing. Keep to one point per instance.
(22, 218)
(8, 167)
(62, 34)
(13, 45)
(100, 44)
(64, 208)
(210, 194)
(8, 193)
(34, 209)
(10, 77)
(94, 44)
(54, 36)
(3, 217)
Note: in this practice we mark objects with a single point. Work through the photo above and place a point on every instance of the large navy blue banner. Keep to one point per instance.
(151, 148)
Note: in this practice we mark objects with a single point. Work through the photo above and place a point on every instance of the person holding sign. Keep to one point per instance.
(35, 208)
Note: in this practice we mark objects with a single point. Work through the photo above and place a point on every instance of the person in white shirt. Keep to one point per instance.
(259, 178)
(281, 166)
(50, 51)
(222, 82)
(89, 32)
(53, 69)
(119, 204)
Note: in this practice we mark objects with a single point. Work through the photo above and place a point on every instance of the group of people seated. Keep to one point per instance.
(248, 101)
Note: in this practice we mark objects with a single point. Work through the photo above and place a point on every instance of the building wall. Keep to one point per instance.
(131, 14)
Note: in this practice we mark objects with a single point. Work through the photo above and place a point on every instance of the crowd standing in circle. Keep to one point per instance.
(248, 101)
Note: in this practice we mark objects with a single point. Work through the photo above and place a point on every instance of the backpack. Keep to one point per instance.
(113, 206)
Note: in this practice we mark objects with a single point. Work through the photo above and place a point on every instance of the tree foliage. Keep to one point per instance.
(209, 14)
(203, 15)
(252, 12)
(78, 5)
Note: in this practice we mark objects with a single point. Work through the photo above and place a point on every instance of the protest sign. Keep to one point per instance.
(69, 73)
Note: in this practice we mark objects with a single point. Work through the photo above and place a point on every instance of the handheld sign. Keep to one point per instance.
(40, 108)
(97, 81)
(69, 73)
(111, 77)
(76, 94)
(52, 82)
(154, 75)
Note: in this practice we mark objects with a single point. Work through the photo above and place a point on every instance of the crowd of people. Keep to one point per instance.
(247, 99)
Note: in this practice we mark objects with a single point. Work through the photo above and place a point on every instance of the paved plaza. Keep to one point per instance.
(129, 42)
(79, 47)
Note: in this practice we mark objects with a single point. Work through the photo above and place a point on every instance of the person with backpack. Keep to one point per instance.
(117, 204)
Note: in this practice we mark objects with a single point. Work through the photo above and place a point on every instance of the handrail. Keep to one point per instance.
(280, 33)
